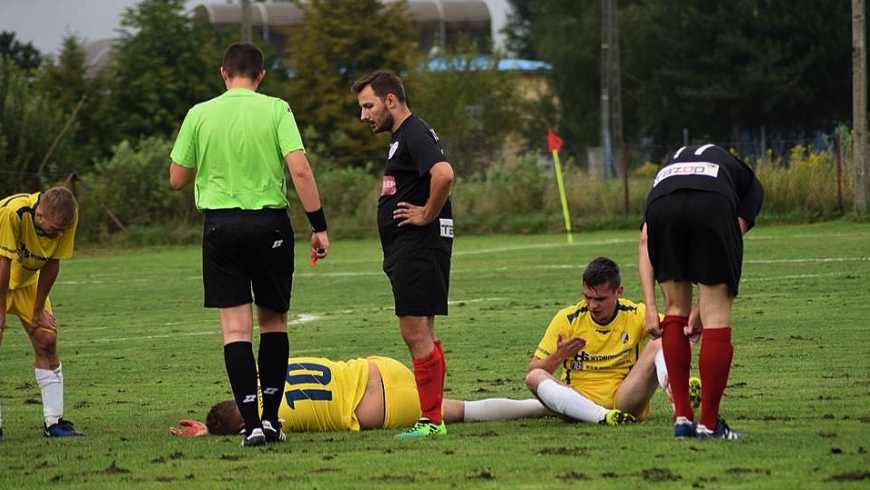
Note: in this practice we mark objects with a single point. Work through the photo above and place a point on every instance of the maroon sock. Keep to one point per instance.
(429, 375)
(714, 363)
(678, 359)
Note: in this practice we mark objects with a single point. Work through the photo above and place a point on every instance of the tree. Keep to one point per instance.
(164, 63)
(26, 56)
(339, 41)
(485, 107)
(67, 83)
(29, 123)
(718, 69)
(722, 69)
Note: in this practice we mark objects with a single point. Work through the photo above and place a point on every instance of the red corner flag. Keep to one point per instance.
(554, 142)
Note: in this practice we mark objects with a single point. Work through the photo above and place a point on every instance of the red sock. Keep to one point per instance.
(678, 359)
(714, 363)
(429, 374)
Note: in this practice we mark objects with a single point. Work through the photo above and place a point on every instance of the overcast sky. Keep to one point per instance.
(46, 22)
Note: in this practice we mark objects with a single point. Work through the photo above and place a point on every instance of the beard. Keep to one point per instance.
(385, 122)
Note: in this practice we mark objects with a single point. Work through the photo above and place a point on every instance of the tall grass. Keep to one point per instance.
(518, 196)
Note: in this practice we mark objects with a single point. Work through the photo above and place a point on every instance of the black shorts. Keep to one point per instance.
(245, 251)
(695, 236)
(420, 280)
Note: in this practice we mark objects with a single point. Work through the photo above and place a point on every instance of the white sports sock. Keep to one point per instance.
(502, 409)
(661, 369)
(565, 400)
(51, 385)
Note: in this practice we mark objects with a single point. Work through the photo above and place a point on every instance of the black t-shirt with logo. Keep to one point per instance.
(713, 169)
(414, 149)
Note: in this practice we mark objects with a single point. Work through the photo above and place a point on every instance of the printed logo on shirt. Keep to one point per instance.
(393, 147)
(388, 186)
(625, 338)
(446, 228)
(688, 168)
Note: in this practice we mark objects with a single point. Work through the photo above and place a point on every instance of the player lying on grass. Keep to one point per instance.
(608, 374)
(358, 394)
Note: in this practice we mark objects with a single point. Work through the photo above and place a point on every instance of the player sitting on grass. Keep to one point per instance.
(359, 394)
(608, 374)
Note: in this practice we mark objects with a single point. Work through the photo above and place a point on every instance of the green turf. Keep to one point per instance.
(140, 353)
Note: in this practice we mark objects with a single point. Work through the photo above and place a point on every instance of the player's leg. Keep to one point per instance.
(490, 409)
(717, 272)
(636, 390)
(676, 345)
(274, 346)
(568, 402)
(420, 282)
(2, 327)
(227, 286)
(419, 335)
(716, 351)
(237, 327)
(271, 255)
(391, 398)
(48, 368)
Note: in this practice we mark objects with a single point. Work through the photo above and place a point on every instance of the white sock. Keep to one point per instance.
(50, 383)
(565, 400)
(661, 369)
(503, 409)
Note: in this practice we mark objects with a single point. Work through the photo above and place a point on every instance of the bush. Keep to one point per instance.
(518, 196)
(131, 191)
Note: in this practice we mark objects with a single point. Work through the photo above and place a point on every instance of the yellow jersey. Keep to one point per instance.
(23, 243)
(610, 352)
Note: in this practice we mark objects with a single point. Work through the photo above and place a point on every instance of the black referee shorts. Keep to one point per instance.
(695, 236)
(244, 252)
(420, 280)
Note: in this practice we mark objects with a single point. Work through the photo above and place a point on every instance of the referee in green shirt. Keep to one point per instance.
(234, 148)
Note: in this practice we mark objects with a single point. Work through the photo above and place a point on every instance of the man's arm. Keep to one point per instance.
(439, 190)
(564, 350)
(648, 284)
(306, 189)
(5, 272)
(180, 176)
(47, 276)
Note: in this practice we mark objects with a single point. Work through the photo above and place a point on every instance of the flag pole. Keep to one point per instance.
(555, 144)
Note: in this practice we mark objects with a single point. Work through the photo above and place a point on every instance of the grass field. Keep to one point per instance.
(140, 353)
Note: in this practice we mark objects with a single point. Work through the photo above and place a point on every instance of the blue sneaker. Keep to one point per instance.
(63, 428)
(723, 431)
(685, 428)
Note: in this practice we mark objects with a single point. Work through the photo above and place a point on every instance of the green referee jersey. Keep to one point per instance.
(237, 143)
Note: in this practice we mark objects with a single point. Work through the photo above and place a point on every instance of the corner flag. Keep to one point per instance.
(555, 145)
(554, 142)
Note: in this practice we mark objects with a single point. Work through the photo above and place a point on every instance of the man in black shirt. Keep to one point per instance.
(702, 202)
(415, 223)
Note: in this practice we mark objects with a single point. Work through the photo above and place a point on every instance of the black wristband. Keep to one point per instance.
(317, 220)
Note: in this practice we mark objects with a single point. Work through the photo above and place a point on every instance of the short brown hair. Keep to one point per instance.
(60, 204)
(243, 60)
(224, 419)
(602, 270)
(382, 83)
